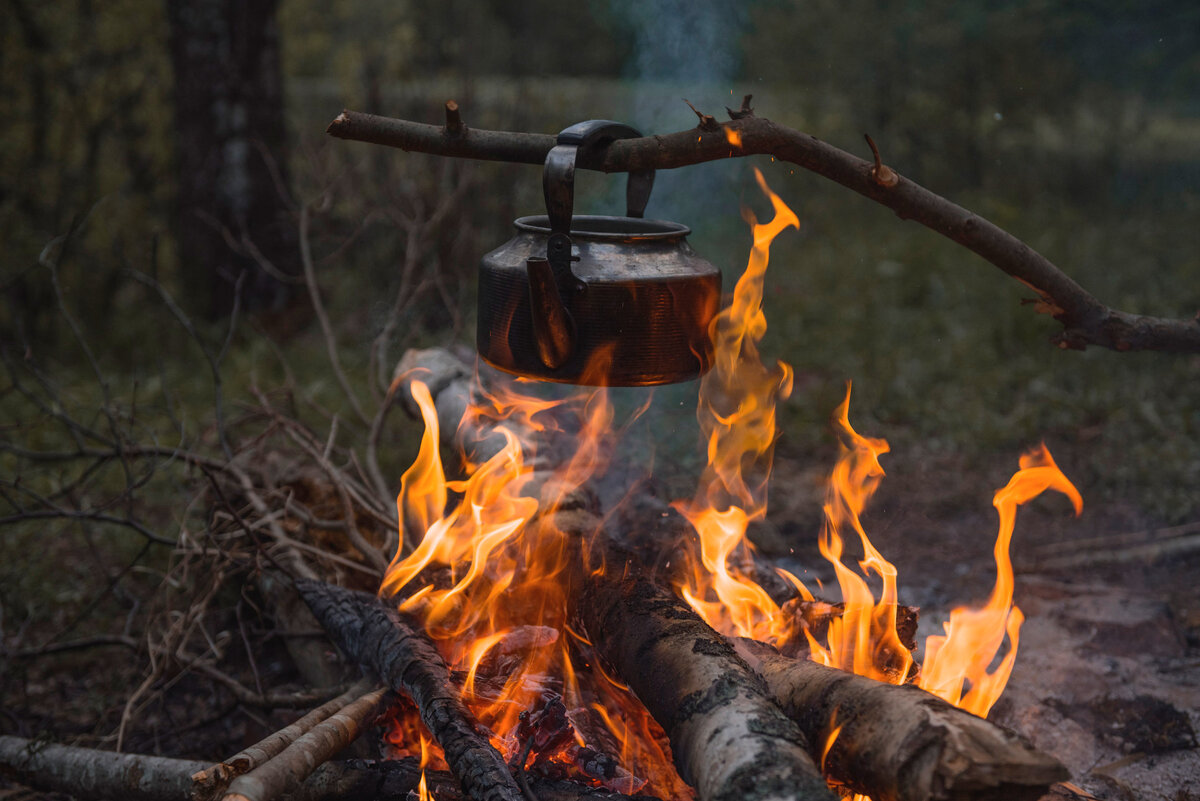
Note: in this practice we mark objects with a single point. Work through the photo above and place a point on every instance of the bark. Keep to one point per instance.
(288, 769)
(1085, 320)
(729, 739)
(269, 747)
(373, 634)
(900, 743)
(87, 773)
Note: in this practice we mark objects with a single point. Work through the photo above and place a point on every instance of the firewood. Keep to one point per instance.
(271, 746)
(291, 766)
(900, 743)
(87, 773)
(728, 737)
(374, 635)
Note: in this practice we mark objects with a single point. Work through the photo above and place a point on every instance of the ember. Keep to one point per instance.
(499, 552)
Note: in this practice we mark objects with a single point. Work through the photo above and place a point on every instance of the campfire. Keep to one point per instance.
(559, 637)
(552, 624)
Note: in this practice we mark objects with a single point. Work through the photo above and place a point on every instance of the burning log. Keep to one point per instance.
(729, 738)
(900, 743)
(375, 636)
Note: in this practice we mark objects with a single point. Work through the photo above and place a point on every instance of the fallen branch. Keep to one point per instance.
(87, 773)
(900, 743)
(1085, 320)
(372, 634)
(288, 769)
(271, 746)
(728, 737)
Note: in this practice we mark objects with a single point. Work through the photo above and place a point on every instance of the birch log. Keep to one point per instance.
(729, 739)
(900, 743)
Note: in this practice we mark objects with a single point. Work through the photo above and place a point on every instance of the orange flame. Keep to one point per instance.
(863, 639)
(973, 637)
(489, 574)
(737, 419)
(423, 793)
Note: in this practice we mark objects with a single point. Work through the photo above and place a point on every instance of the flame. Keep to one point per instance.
(737, 418)
(974, 637)
(736, 413)
(735, 138)
(863, 639)
(490, 573)
(423, 793)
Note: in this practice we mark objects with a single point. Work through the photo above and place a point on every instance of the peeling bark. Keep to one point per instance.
(291, 766)
(271, 746)
(87, 773)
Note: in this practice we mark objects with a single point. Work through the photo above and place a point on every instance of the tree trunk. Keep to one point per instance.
(231, 160)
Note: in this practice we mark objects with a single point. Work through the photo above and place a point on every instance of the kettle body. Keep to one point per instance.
(584, 299)
(640, 300)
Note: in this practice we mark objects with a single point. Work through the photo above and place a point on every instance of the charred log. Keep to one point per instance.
(374, 635)
(729, 738)
(900, 743)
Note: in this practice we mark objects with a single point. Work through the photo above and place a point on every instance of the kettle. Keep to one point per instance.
(584, 299)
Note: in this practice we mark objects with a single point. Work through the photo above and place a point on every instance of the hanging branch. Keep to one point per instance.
(1085, 320)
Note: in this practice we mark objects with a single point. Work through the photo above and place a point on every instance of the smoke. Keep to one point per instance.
(683, 40)
(685, 49)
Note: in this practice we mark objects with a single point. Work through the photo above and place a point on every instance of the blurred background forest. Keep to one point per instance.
(165, 183)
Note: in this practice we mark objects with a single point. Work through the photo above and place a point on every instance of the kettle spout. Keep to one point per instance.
(553, 328)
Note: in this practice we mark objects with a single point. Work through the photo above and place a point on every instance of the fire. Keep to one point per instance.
(737, 419)
(489, 579)
(974, 636)
(423, 793)
(489, 572)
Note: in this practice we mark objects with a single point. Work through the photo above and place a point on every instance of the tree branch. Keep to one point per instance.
(1085, 320)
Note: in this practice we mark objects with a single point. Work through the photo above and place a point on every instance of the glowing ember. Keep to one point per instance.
(490, 573)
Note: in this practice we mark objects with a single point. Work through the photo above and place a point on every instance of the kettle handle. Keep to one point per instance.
(558, 177)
